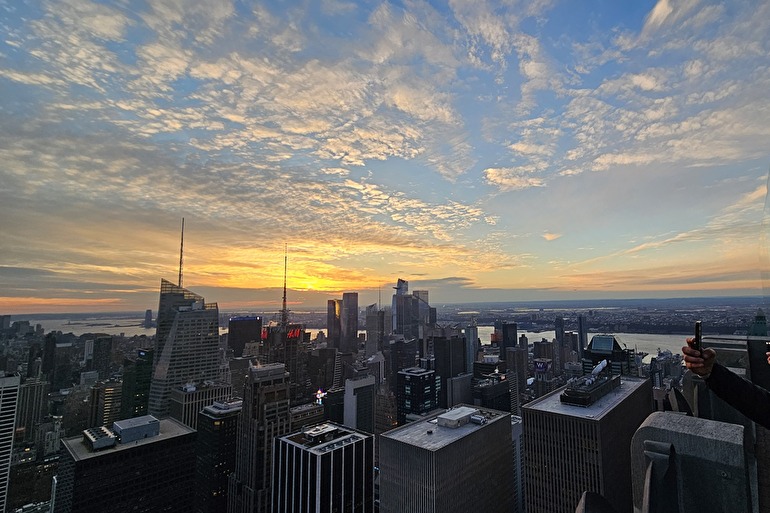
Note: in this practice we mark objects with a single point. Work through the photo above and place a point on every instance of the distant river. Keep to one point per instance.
(130, 326)
(647, 343)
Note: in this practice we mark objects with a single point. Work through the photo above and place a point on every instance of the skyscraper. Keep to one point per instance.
(445, 464)
(450, 362)
(471, 345)
(105, 403)
(264, 416)
(32, 408)
(9, 395)
(137, 378)
(349, 323)
(333, 322)
(375, 329)
(241, 331)
(186, 344)
(323, 469)
(572, 448)
(509, 332)
(215, 453)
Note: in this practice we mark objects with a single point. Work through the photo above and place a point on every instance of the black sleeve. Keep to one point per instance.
(743, 395)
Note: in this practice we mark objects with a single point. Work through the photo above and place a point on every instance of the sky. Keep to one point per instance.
(482, 150)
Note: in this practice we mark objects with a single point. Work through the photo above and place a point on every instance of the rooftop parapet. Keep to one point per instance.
(687, 465)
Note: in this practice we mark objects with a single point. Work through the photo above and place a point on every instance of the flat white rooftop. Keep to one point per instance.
(552, 403)
(428, 435)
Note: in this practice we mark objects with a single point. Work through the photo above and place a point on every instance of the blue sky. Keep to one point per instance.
(481, 150)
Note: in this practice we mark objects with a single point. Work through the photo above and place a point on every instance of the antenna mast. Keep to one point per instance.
(181, 255)
(284, 311)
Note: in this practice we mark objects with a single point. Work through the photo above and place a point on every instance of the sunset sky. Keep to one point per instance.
(482, 150)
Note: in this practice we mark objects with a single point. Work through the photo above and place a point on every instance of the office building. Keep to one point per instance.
(471, 333)
(509, 335)
(105, 403)
(576, 440)
(517, 438)
(137, 377)
(142, 465)
(189, 399)
(405, 311)
(458, 461)
(9, 396)
(349, 323)
(243, 330)
(32, 408)
(102, 357)
(215, 452)
(518, 363)
(582, 335)
(449, 355)
(327, 468)
(375, 329)
(186, 344)
(264, 416)
(359, 403)
(607, 347)
(416, 392)
(303, 415)
(288, 344)
(333, 322)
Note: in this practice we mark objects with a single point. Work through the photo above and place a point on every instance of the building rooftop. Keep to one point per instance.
(430, 435)
(135, 422)
(415, 371)
(169, 428)
(325, 437)
(552, 403)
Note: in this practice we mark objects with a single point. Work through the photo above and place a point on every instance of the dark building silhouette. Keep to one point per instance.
(450, 362)
(333, 322)
(326, 468)
(264, 416)
(416, 392)
(509, 332)
(215, 452)
(287, 344)
(101, 358)
(241, 331)
(349, 323)
(150, 470)
(137, 376)
(375, 329)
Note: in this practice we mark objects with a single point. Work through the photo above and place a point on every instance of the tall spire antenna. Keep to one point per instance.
(284, 311)
(181, 254)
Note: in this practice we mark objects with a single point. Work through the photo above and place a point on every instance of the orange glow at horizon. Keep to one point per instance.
(30, 305)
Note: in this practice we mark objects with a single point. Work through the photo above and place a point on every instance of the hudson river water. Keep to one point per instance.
(131, 326)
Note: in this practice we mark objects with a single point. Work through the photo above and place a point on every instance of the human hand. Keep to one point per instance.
(701, 362)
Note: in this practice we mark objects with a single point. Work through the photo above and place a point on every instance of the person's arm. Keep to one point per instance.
(746, 397)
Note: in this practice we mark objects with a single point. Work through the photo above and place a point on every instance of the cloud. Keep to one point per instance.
(551, 236)
(512, 178)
